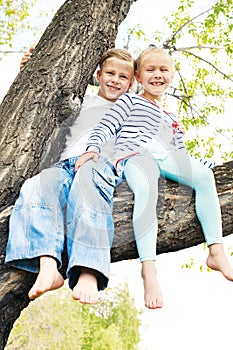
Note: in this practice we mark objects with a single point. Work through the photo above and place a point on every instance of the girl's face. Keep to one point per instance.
(155, 74)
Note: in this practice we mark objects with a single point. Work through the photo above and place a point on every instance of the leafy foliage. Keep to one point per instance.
(55, 321)
(13, 14)
(200, 43)
(205, 88)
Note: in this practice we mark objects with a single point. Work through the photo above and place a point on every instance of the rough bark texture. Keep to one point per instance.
(179, 227)
(39, 105)
(37, 111)
(34, 118)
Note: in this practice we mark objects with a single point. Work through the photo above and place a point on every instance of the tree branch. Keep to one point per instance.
(172, 39)
(198, 47)
(207, 62)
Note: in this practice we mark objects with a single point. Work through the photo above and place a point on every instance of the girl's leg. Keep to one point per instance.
(189, 171)
(142, 175)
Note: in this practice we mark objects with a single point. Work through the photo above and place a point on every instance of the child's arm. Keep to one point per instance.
(105, 130)
(176, 123)
(110, 124)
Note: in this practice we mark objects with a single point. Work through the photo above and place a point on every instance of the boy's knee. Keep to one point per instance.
(97, 181)
(29, 186)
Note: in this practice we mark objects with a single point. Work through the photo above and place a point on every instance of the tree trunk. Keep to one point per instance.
(39, 108)
(35, 116)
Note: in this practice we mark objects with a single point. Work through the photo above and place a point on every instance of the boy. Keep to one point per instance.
(50, 200)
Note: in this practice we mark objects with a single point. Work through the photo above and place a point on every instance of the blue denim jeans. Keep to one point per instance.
(60, 209)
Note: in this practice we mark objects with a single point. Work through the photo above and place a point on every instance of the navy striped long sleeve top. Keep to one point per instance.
(140, 126)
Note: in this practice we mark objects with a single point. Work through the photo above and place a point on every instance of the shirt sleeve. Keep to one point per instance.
(110, 124)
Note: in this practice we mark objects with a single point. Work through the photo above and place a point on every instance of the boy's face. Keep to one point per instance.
(155, 74)
(115, 78)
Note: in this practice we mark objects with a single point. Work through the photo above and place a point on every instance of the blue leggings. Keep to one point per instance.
(142, 173)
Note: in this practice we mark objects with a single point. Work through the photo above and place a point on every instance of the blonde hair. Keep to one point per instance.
(148, 51)
(118, 53)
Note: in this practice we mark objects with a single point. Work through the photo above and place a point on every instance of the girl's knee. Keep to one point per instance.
(205, 177)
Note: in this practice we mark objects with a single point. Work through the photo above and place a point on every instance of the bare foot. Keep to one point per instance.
(48, 278)
(86, 290)
(218, 261)
(153, 297)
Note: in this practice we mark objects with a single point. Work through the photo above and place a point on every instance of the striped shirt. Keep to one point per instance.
(140, 126)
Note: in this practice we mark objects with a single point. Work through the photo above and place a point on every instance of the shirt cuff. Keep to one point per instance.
(93, 149)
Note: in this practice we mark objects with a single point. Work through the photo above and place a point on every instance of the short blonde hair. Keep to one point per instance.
(118, 53)
(149, 50)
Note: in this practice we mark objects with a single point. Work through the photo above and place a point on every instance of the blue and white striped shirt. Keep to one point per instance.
(140, 126)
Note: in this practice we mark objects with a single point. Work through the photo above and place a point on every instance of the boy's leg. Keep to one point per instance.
(36, 223)
(90, 229)
(189, 171)
(142, 174)
(37, 226)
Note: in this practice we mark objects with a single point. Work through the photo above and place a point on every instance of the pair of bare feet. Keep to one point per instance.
(153, 298)
(50, 279)
(86, 290)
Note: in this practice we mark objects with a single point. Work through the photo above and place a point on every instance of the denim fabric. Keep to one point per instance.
(90, 226)
(60, 205)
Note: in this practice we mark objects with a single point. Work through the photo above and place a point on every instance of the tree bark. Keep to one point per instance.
(178, 229)
(35, 116)
(178, 226)
(39, 108)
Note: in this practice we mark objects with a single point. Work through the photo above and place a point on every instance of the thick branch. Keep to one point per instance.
(179, 227)
(37, 111)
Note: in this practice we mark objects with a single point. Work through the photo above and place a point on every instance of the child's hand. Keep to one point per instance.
(84, 158)
(180, 126)
(26, 57)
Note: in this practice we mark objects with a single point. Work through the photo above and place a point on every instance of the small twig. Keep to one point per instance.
(172, 39)
(209, 63)
(199, 47)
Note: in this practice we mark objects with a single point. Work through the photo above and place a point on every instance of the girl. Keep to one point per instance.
(142, 129)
